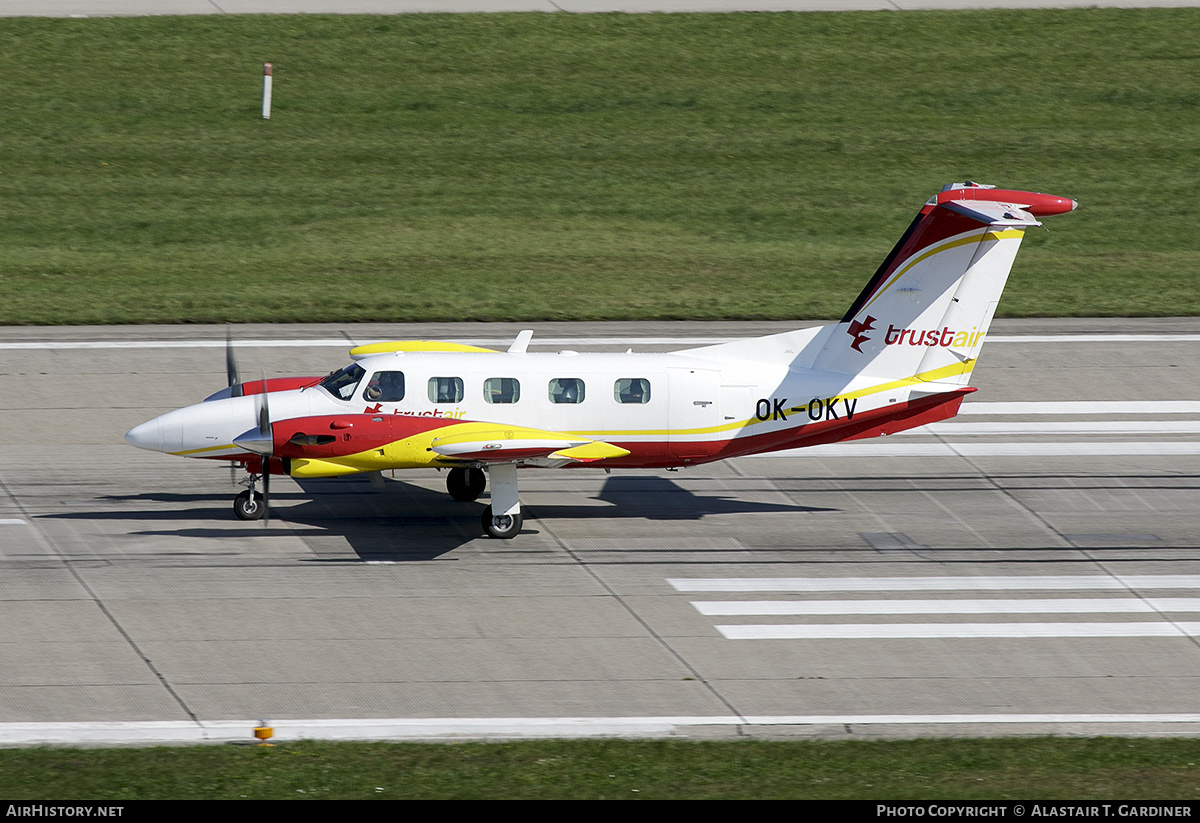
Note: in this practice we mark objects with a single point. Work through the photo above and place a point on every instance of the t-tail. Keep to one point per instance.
(926, 312)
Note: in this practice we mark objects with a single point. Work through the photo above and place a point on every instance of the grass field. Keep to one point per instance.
(547, 166)
(1044, 769)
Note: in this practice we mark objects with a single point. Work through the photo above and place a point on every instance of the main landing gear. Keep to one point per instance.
(504, 527)
(503, 519)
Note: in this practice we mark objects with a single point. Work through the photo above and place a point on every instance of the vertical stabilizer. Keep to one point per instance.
(926, 311)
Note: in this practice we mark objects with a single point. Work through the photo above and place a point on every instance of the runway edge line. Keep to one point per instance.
(508, 728)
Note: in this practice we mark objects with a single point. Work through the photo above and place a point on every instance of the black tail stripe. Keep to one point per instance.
(884, 269)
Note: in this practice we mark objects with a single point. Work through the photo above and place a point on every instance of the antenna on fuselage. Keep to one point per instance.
(520, 345)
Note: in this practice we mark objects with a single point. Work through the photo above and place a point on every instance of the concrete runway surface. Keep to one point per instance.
(1024, 569)
(1021, 569)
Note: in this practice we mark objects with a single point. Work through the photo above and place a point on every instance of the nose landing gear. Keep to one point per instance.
(248, 505)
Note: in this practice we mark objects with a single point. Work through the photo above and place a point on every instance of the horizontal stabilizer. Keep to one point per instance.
(992, 214)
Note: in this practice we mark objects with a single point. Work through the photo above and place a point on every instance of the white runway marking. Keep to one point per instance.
(935, 608)
(338, 342)
(924, 584)
(1092, 338)
(343, 343)
(1084, 407)
(1045, 427)
(500, 728)
(1064, 606)
(874, 448)
(922, 631)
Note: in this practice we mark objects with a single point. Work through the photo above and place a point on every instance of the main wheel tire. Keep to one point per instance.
(504, 527)
(466, 484)
(248, 507)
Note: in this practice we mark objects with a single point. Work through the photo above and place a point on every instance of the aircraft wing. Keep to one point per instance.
(487, 443)
(326, 446)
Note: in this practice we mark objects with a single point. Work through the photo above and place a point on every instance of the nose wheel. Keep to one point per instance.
(249, 505)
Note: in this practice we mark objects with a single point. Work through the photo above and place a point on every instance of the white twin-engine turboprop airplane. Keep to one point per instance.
(901, 357)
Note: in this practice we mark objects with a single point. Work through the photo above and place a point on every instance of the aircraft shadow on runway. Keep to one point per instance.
(406, 521)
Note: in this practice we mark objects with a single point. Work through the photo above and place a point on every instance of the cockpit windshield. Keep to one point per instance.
(341, 384)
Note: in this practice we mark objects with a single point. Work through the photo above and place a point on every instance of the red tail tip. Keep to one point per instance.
(1039, 205)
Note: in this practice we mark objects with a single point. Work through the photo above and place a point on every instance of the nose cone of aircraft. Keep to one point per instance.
(162, 434)
(146, 436)
(201, 430)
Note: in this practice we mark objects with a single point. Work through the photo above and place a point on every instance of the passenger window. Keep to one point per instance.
(501, 390)
(385, 387)
(445, 389)
(632, 390)
(566, 390)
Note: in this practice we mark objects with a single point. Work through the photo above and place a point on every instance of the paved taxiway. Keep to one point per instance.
(1017, 564)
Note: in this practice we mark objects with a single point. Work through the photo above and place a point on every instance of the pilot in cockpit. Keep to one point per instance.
(385, 387)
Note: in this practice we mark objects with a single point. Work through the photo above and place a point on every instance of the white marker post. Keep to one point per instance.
(266, 91)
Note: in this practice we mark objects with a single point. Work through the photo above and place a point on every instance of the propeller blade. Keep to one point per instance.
(266, 478)
(231, 370)
(264, 418)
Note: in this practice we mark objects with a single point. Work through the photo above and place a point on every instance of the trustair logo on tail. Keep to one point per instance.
(945, 337)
